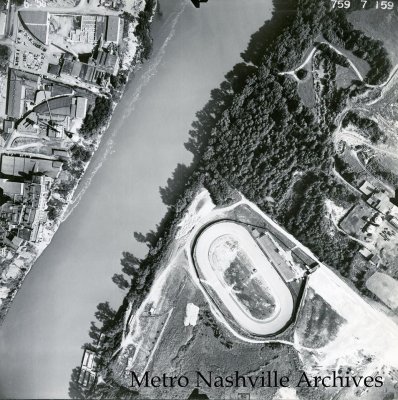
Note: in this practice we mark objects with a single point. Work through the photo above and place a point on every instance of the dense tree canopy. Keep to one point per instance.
(5, 54)
(256, 135)
(97, 117)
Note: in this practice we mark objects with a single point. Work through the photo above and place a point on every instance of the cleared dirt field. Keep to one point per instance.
(385, 288)
(256, 295)
(234, 267)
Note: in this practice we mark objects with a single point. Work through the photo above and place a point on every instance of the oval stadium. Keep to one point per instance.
(240, 279)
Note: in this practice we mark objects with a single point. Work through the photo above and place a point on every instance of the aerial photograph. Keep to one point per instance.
(199, 199)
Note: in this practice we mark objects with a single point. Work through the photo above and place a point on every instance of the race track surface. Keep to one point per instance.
(264, 272)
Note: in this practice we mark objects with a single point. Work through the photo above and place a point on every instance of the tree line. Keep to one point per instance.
(255, 135)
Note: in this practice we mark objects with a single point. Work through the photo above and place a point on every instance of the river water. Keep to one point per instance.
(41, 338)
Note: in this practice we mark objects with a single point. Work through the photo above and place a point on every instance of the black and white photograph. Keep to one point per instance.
(199, 199)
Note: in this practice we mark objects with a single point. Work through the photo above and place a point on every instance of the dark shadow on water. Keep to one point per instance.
(264, 38)
(177, 194)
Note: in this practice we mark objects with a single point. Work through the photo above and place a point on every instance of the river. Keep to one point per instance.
(41, 338)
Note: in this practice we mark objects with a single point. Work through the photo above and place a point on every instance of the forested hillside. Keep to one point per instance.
(268, 145)
(255, 135)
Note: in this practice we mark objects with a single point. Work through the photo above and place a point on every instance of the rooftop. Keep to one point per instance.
(36, 22)
(54, 69)
(367, 188)
(16, 166)
(63, 106)
(113, 29)
(11, 188)
(18, 83)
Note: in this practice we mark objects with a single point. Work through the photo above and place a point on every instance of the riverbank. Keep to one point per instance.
(217, 145)
(17, 268)
(42, 335)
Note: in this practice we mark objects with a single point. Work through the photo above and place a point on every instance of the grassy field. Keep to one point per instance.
(318, 323)
(379, 24)
(250, 292)
(362, 65)
(305, 90)
(208, 346)
(344, 76)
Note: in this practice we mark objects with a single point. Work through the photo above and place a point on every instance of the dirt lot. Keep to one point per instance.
(385, 288)
(355, 221)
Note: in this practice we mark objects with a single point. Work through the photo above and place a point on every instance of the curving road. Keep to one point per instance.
(353, 66)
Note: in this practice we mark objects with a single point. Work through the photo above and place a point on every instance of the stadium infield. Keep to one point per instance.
(242, 301)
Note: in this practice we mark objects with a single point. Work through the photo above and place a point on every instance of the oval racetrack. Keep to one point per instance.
(213, 276)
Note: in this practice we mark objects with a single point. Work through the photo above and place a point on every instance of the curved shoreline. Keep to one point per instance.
(34, 250)
(84, 254)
